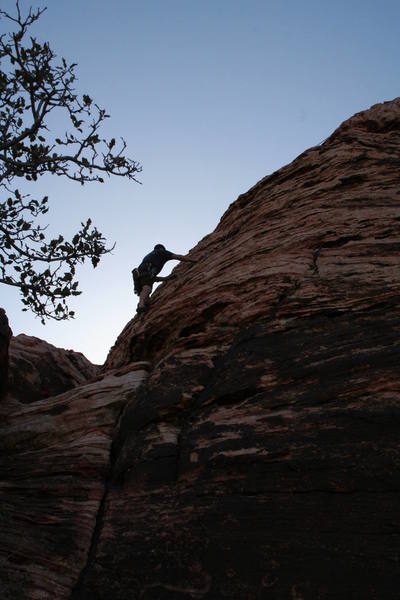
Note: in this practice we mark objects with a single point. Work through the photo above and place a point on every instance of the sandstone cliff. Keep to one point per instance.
(55, 456)
(255, 453)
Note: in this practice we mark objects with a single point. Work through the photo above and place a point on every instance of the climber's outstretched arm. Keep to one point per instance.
(182, 258)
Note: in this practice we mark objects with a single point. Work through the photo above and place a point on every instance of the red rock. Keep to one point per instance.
(54, 460)
(260, 459)
(318, 234)
(38, 369)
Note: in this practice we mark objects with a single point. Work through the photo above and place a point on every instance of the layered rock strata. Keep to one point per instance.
(54, 463)
(38, 369)
(260, 458)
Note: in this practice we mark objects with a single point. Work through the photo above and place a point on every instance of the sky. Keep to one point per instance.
(210, 96)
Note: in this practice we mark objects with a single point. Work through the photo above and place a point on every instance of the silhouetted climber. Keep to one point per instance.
(146, 274)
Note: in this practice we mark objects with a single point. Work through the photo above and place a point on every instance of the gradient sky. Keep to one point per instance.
(210, 96)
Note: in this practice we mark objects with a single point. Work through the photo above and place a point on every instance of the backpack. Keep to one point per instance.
(137, 286)
(146, 269)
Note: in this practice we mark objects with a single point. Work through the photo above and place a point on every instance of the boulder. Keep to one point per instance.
(38, 369)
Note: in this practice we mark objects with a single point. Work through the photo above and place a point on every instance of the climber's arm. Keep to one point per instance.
(182, 258)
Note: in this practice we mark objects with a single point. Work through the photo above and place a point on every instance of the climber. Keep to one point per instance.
(145, 275)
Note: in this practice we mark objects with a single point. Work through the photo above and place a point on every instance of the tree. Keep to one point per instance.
(33, 84)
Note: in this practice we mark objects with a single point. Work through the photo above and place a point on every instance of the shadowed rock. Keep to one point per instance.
(38, 369)
(5, 336)
(54, 464)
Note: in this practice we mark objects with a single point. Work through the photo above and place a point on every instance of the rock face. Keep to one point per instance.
(38, 370)
(5, 336)
(54, 462)
(260, 457)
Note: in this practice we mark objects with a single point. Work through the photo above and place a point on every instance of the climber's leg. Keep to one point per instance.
(144, 297)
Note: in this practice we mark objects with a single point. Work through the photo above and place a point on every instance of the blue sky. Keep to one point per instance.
(210, 97)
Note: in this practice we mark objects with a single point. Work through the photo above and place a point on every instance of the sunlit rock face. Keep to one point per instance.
(38, 370)
(259, 456)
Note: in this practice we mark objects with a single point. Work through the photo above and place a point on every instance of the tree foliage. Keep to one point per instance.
(33, 85)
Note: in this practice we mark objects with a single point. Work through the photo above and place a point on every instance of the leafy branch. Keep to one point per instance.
(32, 86)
